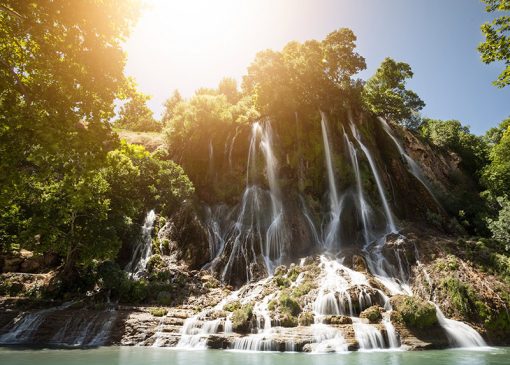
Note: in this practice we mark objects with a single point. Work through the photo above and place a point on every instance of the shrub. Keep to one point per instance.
(241, 318)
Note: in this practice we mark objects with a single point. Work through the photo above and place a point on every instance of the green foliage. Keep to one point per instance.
(496, 46)
(452, 135)
(155, 263)
(241, 318)
(169, 107)
(232, 306)
(500, 227)
(385, 94)
(496, 174)
(312, 74)
(134, 114)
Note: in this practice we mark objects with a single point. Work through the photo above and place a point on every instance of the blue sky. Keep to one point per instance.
(194, 44)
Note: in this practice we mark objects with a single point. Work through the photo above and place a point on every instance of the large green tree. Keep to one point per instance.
(496, 46)
(314, 75)
(385, 93)
(61, 68)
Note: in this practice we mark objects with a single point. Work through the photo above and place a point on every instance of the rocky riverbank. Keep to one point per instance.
(319, 304)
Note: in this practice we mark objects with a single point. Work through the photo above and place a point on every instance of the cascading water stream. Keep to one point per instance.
(412, 166)
(254, 224)
(331, 237)
(364, 208)
(389, 216)
(143, 250)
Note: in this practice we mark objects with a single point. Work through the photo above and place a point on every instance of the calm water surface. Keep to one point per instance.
(159, 356)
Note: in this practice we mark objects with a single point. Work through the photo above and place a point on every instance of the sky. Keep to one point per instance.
(190, 44)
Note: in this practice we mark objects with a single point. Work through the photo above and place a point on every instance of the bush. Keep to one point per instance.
(241, 318)
(155, 263)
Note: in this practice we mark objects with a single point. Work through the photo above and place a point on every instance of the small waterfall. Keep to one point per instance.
(389, 216)
(459, 334)
(143, 250)
(262, 340)
(85, 329)
(27, 326)
(368, 336)
(412, 166)
(383, 270)
(328, 339)
(331, 238)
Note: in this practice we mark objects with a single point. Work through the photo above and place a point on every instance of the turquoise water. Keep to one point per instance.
(160, 356)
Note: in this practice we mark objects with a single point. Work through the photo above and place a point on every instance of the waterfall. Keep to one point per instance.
(261, 218)
(331, 238)
(143, 250)
(412, 166)
(459, 334)
(276, 234)
(389, 216)
(364, 208)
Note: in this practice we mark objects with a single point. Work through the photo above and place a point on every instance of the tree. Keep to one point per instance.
(454, 136)
(170, 105)
(228, 87)
(385, 93)
(314, 75)
(500, 227)
(497, 41)
(61, 69)
(497, 173)
(135, 115)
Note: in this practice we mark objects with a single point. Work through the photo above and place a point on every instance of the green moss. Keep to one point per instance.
(413, 312)
(232, 306)
(373, 314)
(304, 288)
(288, 304)
(241, 318)
(282, 282)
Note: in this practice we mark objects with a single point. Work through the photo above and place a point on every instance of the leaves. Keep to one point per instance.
(385, 93)
(497, 40)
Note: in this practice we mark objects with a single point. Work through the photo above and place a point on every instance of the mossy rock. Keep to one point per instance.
(158, 312)
(305, 319)
(413, 312)
(337, 320)
(373, 314)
